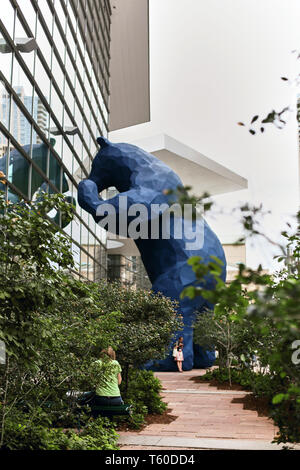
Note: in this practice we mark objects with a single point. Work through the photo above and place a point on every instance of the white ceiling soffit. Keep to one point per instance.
(121, 246)
(201, 173)
(129, 64)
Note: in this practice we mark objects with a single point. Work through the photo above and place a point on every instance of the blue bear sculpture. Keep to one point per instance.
(143, 179)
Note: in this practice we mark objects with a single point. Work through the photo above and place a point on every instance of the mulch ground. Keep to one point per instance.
(164, 418)
(215, 383)
(250, 402)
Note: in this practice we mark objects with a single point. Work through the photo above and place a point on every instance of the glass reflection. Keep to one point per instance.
(41, 118)
(23, 88)
(20, 127)
(4, 151)
(88, 252)
(4, 110)
(18, 172)
(5, 59)
(28, 57)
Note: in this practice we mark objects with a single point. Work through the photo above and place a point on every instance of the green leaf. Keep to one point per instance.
(278, 398)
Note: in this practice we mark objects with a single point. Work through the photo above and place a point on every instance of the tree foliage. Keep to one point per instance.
(54, 325)
(147, 325)
(258, 315)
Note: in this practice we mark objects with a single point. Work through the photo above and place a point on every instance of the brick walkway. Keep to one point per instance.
(205, 415)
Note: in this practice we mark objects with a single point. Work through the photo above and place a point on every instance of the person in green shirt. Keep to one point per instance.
(108, 392)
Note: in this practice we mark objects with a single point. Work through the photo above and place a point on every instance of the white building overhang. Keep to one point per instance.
(194, 169)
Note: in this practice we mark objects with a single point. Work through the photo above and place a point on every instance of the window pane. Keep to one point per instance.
(29, 13)
(60, 15)
(3, 156)
(70, 69)
(7, 16)
(20, 126)
(5, 59)
(43, 43)
(18, 172)
(46, 13)
(57, 73)
(71, 16)
(42, 79)
(4, 109)
(28, 57)
(56, 105)
(22, 86)
(41, 117)
(58, 41)
(70, 41)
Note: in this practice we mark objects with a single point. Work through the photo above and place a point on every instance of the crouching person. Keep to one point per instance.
(108, 392)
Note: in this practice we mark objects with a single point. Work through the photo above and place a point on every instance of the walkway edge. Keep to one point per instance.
(201, 443)
(187, 391)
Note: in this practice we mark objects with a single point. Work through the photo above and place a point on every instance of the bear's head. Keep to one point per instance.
(125, 166)
(113, 165)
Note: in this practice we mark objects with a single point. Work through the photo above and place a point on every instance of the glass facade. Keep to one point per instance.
(54, 77)
(129, 270)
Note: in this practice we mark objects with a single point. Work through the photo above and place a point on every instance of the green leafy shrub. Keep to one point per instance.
(137, 418)
(102, 430)
(143, 393)
(21, 433)
(54, 326)
(145, 388)
(147, 325)
(258, 314)
(286, 416)
(261, 385)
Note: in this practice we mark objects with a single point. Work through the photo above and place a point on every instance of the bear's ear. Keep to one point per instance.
(103, 142)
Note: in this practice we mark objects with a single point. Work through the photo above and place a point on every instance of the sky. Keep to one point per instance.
(213, 64)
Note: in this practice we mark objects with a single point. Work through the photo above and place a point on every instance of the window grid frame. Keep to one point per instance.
(99, 266)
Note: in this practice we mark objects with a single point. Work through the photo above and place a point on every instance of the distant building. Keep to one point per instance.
(21, 127)
(129, 270)
(4, 118)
